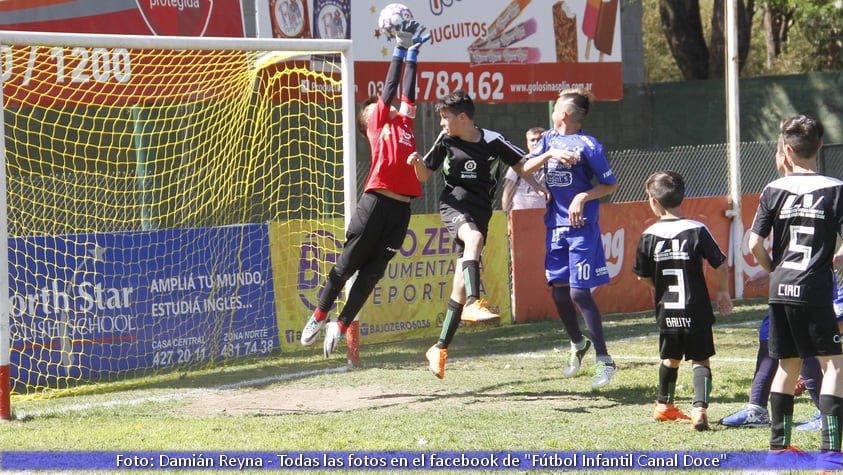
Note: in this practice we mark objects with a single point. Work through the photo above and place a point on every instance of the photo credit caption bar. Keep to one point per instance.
(381, 460)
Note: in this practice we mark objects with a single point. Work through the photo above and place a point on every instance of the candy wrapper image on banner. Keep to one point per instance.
(290, 18)
(331, 20)
(506, 51)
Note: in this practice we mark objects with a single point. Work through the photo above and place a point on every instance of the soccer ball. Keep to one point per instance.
(391, 17)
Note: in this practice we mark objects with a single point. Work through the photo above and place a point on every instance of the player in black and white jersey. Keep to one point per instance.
(670, 258)
(804, 212)
(470, 157)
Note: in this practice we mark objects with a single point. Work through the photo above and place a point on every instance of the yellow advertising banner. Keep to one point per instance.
(409, 302)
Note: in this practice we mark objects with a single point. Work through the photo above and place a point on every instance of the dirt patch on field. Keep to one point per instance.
(292, 399)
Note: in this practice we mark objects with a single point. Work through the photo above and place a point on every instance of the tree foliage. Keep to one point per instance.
(821, 22)
(686, 39)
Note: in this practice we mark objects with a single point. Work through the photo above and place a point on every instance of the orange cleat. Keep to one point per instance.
(669, 412)
(699, 419)
(436, 358)
(478, 312)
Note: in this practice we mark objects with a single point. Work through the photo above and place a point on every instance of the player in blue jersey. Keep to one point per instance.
(804, 212)
(575, 262)
(670, 258)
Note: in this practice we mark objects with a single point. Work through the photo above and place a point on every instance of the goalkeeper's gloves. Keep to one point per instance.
(421, 37)
(406, 32)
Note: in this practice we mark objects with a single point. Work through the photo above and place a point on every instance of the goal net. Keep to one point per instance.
(149, 187)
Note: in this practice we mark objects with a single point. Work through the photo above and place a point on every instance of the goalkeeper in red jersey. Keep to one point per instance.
(379, 224)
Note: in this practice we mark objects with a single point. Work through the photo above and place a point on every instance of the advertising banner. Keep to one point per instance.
(621, 225)
(749, 204)
(68, 77)
(125, 17)
(500, 50)
(92, 305)
(409, 302)
(496, 50)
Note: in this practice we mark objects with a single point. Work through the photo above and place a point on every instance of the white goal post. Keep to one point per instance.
(73, 69)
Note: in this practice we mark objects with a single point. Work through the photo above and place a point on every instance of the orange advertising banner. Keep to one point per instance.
(749, 203)
(621, 225)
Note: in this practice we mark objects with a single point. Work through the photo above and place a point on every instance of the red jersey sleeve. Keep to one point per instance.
(391, 140)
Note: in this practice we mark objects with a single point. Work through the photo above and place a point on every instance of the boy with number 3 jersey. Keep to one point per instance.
(670, 259)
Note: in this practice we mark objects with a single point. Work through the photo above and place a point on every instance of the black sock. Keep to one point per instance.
(831, 411)
(450, 325)
(667, 383)
(781, 419)
(702, 385)
(471, 277)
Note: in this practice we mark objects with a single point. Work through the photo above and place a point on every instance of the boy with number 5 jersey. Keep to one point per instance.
(804, 212)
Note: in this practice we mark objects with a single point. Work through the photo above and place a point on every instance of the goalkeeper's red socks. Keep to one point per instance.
(319, 315)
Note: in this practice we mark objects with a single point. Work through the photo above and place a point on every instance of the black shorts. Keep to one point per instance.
(375, 234)
(695, 346)
(800, 331)
(455, 213)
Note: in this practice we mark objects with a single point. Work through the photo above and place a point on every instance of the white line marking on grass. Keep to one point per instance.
(184, 394)
(563, 355)
(179, 395)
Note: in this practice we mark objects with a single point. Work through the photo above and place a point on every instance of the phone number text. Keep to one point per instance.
(432, 85)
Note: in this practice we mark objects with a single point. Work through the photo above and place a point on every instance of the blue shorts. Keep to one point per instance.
(580, 249)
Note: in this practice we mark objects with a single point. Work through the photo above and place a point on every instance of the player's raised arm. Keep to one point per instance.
(417, 36)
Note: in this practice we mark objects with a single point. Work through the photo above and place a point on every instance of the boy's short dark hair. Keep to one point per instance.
(362, 117)
(577, 102)
(803, 134)
(456, 102)
(667, 187)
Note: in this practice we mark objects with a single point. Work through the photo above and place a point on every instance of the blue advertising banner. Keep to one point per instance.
(93, 305)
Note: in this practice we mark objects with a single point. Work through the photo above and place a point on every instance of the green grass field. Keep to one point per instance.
(502, 391)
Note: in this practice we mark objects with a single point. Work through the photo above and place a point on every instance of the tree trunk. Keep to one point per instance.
(683, 30)
(777, 22)
(717, 45)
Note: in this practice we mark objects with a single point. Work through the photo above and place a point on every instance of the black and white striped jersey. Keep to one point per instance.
(471, 169)
(804, 211)
(671, 253)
